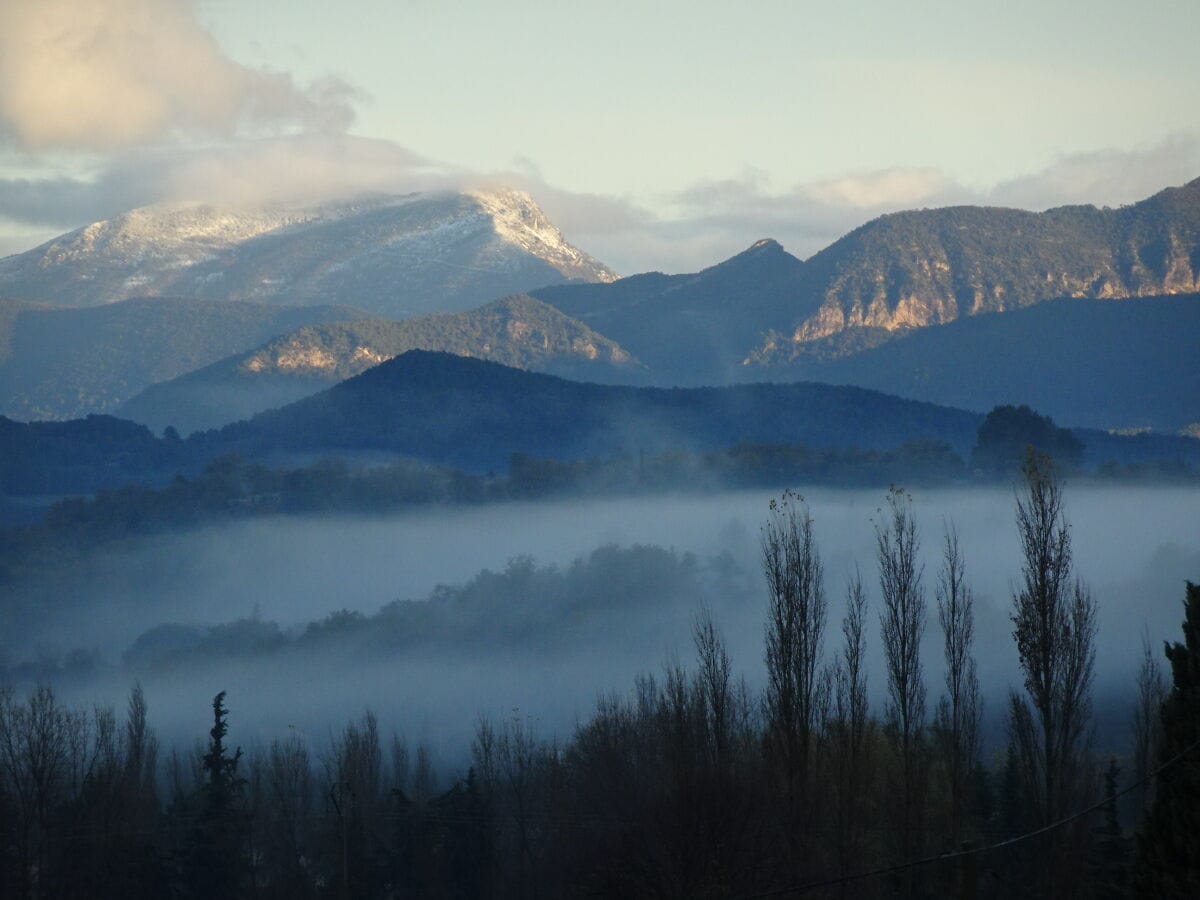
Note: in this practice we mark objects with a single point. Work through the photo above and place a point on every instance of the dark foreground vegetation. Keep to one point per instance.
(691, 785)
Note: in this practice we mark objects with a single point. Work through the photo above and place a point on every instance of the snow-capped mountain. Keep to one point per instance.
(391, 255)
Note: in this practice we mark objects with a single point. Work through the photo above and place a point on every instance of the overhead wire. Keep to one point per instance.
(972, 851)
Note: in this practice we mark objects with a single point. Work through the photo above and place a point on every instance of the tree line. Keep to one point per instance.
(690, 785)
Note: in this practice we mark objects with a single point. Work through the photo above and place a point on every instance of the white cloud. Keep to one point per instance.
(299, 169)
(1104, 177)
(110, 74)
(683, 232)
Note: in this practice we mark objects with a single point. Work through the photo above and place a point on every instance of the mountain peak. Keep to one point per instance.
(517, 218)
(397, 255)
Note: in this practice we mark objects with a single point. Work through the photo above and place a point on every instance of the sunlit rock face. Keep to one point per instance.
(518, 331)
(395, 255)
(928, 267)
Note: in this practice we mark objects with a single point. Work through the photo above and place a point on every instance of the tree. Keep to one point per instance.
(217, 862)
(1168, 860)
(796, 694)
(1008, 432)
(850, 731)
(355, 789)
(1147, 724)
(959, 712)
(902, 623)
(37, 740)
(1110, 848)
(1054, 626)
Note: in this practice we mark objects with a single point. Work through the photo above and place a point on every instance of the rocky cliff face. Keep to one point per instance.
(929, 267)
(518, 331)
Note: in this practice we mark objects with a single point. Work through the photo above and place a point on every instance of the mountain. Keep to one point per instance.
(517, 331)
(897, 273)
(927, 267)
(394, 256)
(1090, 363)
(692, 329)
(63, 363)
(475, 414)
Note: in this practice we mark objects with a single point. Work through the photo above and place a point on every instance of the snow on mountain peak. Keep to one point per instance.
(393, 254)
(517, 218)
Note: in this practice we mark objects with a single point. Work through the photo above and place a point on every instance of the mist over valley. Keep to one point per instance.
(538, 451)
(545, 648)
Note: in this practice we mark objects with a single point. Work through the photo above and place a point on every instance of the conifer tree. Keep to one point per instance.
(1168, 863)
(217, 863)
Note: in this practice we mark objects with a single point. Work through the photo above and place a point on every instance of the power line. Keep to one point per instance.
(974, 851)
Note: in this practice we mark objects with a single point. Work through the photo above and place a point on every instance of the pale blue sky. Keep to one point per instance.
(659, 134)
(646, 97)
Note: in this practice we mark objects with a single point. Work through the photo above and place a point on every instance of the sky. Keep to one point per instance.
(657, 136)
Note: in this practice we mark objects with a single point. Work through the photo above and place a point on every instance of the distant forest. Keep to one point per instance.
(690, 785)
(230, 487)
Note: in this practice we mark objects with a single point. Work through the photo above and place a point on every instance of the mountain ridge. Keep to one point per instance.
(58, 363)
(518, 331)
(395, 255)
(915, 268)
(475, 413)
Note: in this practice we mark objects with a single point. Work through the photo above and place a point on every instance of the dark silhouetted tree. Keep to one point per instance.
(1168, 863)
(1054, 626)
(957, 720)
(902, 623)
(1008, 432)
(1110, 848)
(1147, 722)
(850, 733)
(217, 863)
(797, 695)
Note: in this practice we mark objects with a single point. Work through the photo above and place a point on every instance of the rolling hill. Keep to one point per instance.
(1090, 363)
(517, 331)
(475, 414)
(65, 363)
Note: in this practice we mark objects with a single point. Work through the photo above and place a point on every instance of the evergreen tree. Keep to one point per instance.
(217, 863)
(1168, 862)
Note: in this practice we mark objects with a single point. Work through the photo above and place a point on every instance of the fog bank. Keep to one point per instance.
(1133, 547)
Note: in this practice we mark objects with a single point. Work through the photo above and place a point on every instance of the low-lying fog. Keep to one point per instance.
(1133, 546)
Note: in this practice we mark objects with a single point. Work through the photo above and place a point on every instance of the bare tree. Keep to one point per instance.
(1147, 722)
(1054, 627)
(289, 802)
(35, 768)
(401, 765)
(141, 755)
(902, 623)
(849, 729)
(355, 793)
(796, 693)
(960, 710)
(424, 779)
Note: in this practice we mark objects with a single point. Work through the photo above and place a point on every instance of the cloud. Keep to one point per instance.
(714, 219)
(298, 169)
(678, 232)
(102, 75)
(1104, 177)
(811, 214)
